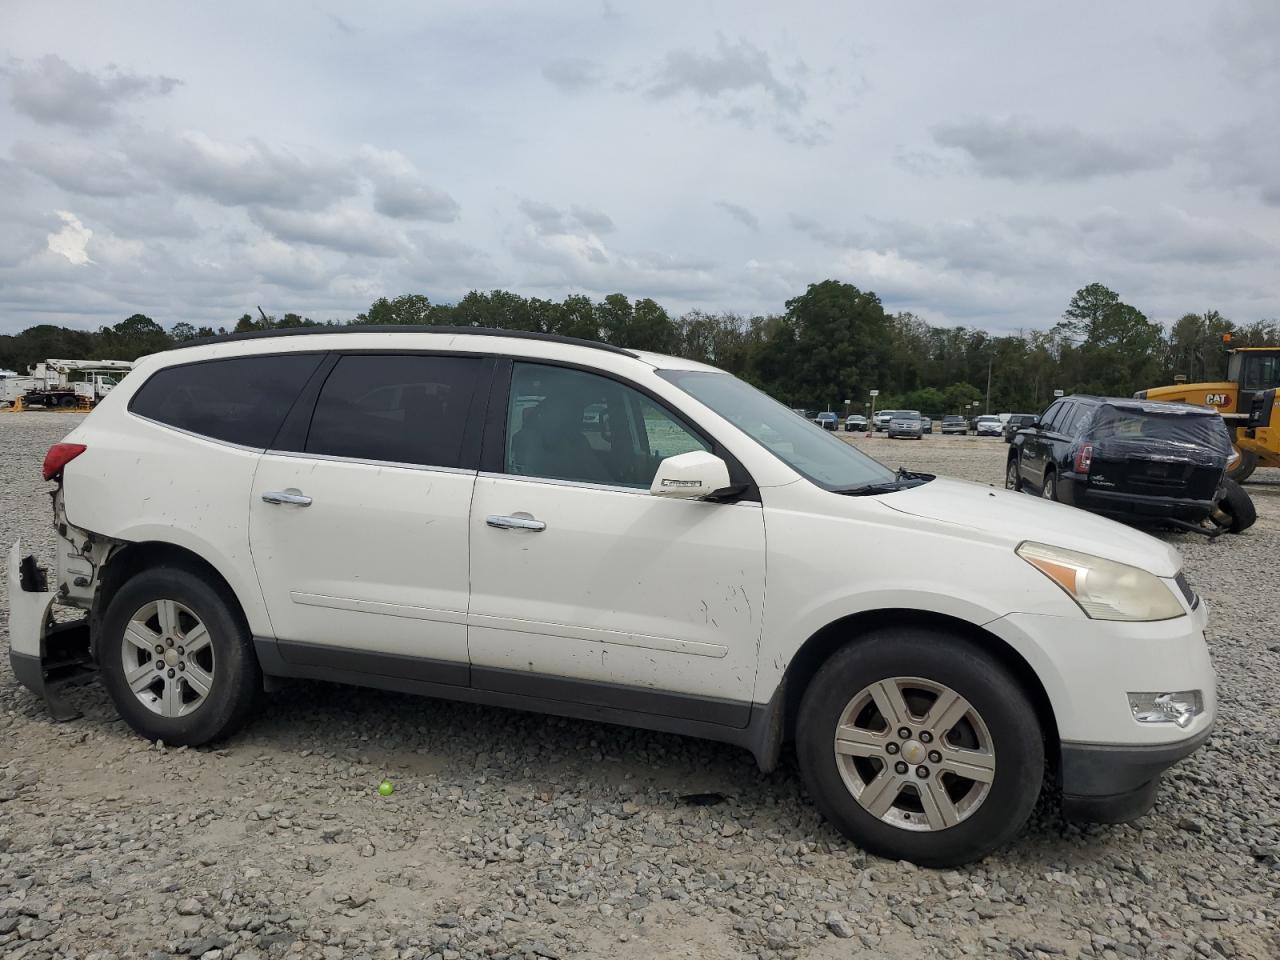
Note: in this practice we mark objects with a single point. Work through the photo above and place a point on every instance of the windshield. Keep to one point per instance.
(814, 453)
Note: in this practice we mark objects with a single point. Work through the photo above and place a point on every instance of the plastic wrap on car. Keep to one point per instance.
(1148, 430)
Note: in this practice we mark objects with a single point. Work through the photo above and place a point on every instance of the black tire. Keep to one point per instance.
(236, 688)
(1013, 474)
(67, 402)
(967, 669)
(1049, 488)
(1238, 505)
(1244, 467)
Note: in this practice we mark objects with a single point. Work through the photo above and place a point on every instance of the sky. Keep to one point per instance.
(972, 163)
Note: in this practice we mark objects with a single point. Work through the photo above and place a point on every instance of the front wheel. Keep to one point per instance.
(177, 658)
(1013, 475)
(918, 745)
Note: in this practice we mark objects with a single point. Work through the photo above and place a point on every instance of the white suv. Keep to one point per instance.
(572, 528)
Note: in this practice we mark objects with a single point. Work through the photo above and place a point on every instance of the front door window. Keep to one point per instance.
(566, 424)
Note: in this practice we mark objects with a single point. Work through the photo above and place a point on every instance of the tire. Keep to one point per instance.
(1244, 468)
(1238, 506)
(171, 708)
(907, 659)
(1049, 489)
(1013, 474)
(67, 402)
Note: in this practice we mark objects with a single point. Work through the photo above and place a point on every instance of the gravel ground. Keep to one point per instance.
(516, 835)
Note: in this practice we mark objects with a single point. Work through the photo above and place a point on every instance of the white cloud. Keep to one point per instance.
(72, 240)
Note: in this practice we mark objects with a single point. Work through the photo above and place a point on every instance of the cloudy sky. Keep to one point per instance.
(974, 163)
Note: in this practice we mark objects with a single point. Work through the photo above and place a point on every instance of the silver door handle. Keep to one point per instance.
(292, 495)
(515, 523)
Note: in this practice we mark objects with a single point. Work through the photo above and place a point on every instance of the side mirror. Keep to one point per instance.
(1035, 423)
(690, 476)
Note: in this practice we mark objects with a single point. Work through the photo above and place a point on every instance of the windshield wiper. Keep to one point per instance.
(903, 480)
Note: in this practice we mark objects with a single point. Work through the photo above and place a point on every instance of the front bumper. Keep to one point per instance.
(46, 657)
(1111, 764)
(1110, 784)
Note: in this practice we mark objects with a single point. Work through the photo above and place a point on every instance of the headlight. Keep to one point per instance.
(1104, 589)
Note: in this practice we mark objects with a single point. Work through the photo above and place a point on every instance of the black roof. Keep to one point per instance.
(1138, 405)
(403, 328)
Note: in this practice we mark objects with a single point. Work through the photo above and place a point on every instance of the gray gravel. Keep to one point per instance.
(514, 835)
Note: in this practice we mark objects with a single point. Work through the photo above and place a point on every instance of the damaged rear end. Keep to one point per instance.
(50, 653)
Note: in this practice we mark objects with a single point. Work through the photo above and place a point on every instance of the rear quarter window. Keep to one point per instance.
(238, 400)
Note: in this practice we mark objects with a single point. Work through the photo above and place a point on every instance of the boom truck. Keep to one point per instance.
(65, 383)
(1247, 401)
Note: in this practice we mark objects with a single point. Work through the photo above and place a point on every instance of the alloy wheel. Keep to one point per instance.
(914, 754)
(168, 658)
(1011, 476)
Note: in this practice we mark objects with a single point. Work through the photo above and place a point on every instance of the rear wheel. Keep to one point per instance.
(1238, 507)
(67, 401)
(1049, 489)
(918, 745)
(1013, 475)
(1244, 467)
(177, 658)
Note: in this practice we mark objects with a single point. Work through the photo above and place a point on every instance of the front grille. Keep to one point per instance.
(1187, 593)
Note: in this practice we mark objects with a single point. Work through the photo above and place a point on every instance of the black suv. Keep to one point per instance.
(1134, 460)
(1015, 423)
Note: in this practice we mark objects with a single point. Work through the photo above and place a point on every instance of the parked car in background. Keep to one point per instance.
(882, 419)
(926, 423)
(1015, 423)
(905, 423)
(988, 425)
(800, 411)
(954, 423)
(827, 420)
(1133, 460)
(855, 422)
(254, 508)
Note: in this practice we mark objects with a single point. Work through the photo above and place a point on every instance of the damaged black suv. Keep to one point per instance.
(1133, 460)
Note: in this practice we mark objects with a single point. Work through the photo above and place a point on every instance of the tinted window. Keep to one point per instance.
(571, 425)
(1262, 371)
(402, 409)
(1051, 415)
(241, 400)
(1075, 419)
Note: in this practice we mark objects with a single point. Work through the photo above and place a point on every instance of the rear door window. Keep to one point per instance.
(395, 408)
(239, 400)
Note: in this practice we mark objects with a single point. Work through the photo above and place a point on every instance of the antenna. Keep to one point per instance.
(264, 317)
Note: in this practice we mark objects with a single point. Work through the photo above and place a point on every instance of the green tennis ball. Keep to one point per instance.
(386, 788)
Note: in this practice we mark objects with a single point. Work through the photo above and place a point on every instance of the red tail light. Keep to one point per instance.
(59, 455)
(1084, 457)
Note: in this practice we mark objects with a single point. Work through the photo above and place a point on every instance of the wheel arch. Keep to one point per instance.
(127, 561)
(819, 648)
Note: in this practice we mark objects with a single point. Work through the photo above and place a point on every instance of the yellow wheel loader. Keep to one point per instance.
(1247, 401)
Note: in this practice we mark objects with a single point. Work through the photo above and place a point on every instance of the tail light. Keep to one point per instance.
(59, 455)
(1084, 457)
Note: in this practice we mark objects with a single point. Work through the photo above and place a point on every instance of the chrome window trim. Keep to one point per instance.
(605, 487)
(362, 461)
(552, 481)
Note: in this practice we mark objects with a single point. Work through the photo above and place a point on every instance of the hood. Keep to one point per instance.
(1016, 517)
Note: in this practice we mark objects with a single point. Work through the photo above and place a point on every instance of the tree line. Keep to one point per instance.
(832, 343)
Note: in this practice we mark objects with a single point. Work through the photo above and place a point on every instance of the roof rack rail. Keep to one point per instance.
(403, 328)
